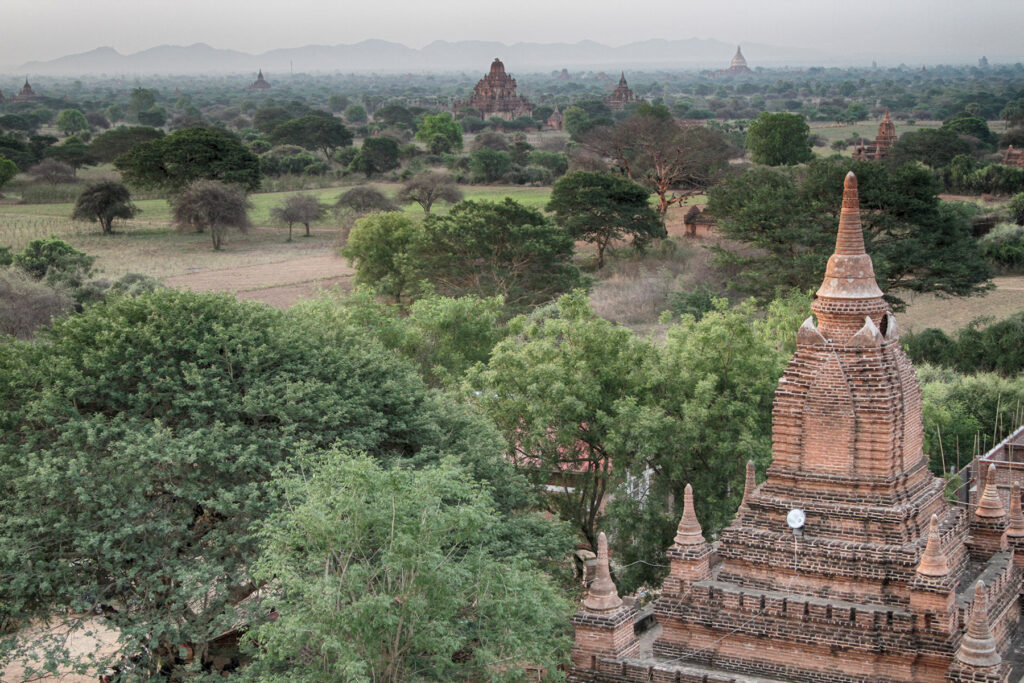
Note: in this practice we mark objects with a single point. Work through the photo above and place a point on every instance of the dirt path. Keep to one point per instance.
(279, 284)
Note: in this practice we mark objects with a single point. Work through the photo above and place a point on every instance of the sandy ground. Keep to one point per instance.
(102, 644)
(951, 314)
(279, 284)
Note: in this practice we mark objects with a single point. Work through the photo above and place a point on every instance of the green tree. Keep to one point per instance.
(211, 205)
(298, 208)
(917, 242)
(73, 151)
(8, 169)
(556, 387)
(377, 155)
(497, 248)
(974, 126)
(107, 146)
(709, 413)
(55, 262)
(488, 165)
(177, 410)
(365, 199)
(103, 202)
(935, 147)
(779, 139)
(440, 133)
(394, 575)
(355, 113)
(599, 208)
(72, 121)
(187, 155)
(379, 248)
(314, 131)
(427, 188)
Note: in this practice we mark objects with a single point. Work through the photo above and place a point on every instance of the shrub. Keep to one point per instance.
(364, 199)
(27, 304)
(1004, 246)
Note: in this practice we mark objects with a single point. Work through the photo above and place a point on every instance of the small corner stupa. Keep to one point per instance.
(847, 564)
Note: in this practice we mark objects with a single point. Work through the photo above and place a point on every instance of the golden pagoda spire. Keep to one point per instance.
(602, 596)
(689, 531)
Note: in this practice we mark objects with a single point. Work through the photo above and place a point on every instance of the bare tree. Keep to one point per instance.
(53, 172)
(365, 199)
(214, 205)
(298, 208)
(427, 188)
(672, 161)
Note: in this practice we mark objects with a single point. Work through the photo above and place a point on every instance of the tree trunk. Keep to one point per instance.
(307, 229)
(289, 232)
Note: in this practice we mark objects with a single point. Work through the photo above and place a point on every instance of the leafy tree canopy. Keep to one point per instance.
(8, 169)
(916, 242)
(380, 249)
(600, 208)
(103, 202)
(376, 155)
(779, 139)
(440, 133)
(395, 575)
(316, 132)
(71, 121)
(176, 412)
(187, 155)
(107, 146)
(427, 188)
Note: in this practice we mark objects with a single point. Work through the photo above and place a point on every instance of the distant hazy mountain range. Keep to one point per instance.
(383, 56)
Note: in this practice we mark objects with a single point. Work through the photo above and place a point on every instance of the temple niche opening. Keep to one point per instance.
(847, 564)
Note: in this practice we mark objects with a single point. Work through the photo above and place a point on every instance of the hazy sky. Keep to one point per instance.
(891, 29)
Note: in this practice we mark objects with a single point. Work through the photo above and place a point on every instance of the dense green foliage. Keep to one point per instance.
(177, 410)
(997, 347)
(497, 248)
(440, 133)
(601, 208)
(397, 575)
(917, 242)
(314, 131)
(187, 155)
(381, 249)
(427, 188)
(376, 155)
(1004, 246)
(8, 169)
(779, 139)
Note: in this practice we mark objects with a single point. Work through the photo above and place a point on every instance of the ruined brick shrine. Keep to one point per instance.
(847, 564)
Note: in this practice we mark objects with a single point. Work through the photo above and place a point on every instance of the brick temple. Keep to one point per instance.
(847, 564)
(260, 83)
(26, 94)
(884, 140)
(495, 95)
(621, 96)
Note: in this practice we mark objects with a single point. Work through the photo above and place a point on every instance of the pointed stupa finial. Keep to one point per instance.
(1016, 526)
(978, 647)
(850, 274)
(689, 531)
(990, 506)
(886, 114)
(933, 561)
(602, 595)
(749, 484)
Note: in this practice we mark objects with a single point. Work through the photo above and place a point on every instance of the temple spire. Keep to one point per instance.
(850, 274)
(602, 595)
(1016, 527)
(978, 648)
(990, 505)
(933, 560)
(749, 484)
(689, 531)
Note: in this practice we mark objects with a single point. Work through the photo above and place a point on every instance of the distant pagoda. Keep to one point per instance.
(26, 94)
(738, 65)
(879, 149)
(260, 83)
(622, 95)
(495, 95)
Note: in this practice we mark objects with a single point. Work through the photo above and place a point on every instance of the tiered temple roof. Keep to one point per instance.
(884, 140)
(847, 564)
(1014, 157)
(621, 96)
(738, 65)
(26, 94)
(260, 83)
(495, 95)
